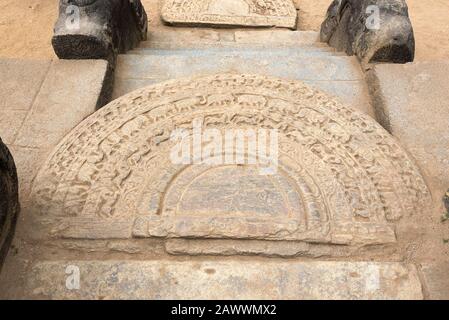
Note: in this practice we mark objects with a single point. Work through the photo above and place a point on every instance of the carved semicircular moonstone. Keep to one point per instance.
(341, 178)
(257, 13)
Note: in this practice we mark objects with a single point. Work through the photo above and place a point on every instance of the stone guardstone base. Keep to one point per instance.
(251, 13)
(224, 280)
(9, 200)
(405, 94)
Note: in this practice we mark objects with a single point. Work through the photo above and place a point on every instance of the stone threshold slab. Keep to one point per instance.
(205, 38)
(164, 279)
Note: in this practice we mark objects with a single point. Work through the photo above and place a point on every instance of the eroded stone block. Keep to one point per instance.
(98, 29)
(275, 13)
(340, 178)
(9, 200)
(436, 280)
(225, 280)
(412, 102)
(373, 30)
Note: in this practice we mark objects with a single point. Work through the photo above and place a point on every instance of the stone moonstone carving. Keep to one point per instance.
(255, 13)
(9, 200)
(341, 177)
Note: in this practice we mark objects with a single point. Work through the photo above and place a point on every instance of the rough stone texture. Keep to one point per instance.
(284, 249)
(9, 200)
(229, 248)
(28, 161)
(10, 123)
(252, 13)
(106, 27)
(226, 280)
(71, 91)
(20, 81)
(412, 102)
(345, 28)
(436, 280)
(353, 178)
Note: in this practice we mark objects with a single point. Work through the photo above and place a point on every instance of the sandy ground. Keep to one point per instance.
(26, 26)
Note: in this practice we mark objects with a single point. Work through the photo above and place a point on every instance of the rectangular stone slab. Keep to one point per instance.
(336, 75)
(225, 280)
(20, 81)
(250, 13)
(70, 92)
(412, 102)
(205, 38)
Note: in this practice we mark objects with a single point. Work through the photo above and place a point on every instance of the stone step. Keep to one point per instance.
(309, 51)
(286, 65)
(339, 76)
(200, 38)
(226, 279)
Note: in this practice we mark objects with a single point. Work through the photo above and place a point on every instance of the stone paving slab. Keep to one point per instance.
(69, 93)
(10, 123)
(412, 102)
(28, 162)
(436, 279)
(286, 66)
(162, 279)
(20, 81)
(205, 38)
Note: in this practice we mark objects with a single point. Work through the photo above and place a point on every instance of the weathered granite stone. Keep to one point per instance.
(252, 13)
(265, 280)
(349, 27)
(232, 247)
(71, 91)
(339, 76)
(98, 29)
(412, 102)
(20, 81)
(9, 200)
(341, 178)
(436, 280)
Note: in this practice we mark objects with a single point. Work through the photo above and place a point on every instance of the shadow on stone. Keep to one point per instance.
(9, 200)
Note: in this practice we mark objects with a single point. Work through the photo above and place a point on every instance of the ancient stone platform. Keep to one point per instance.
(273, 13)
(108, 201)
(226, 280)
